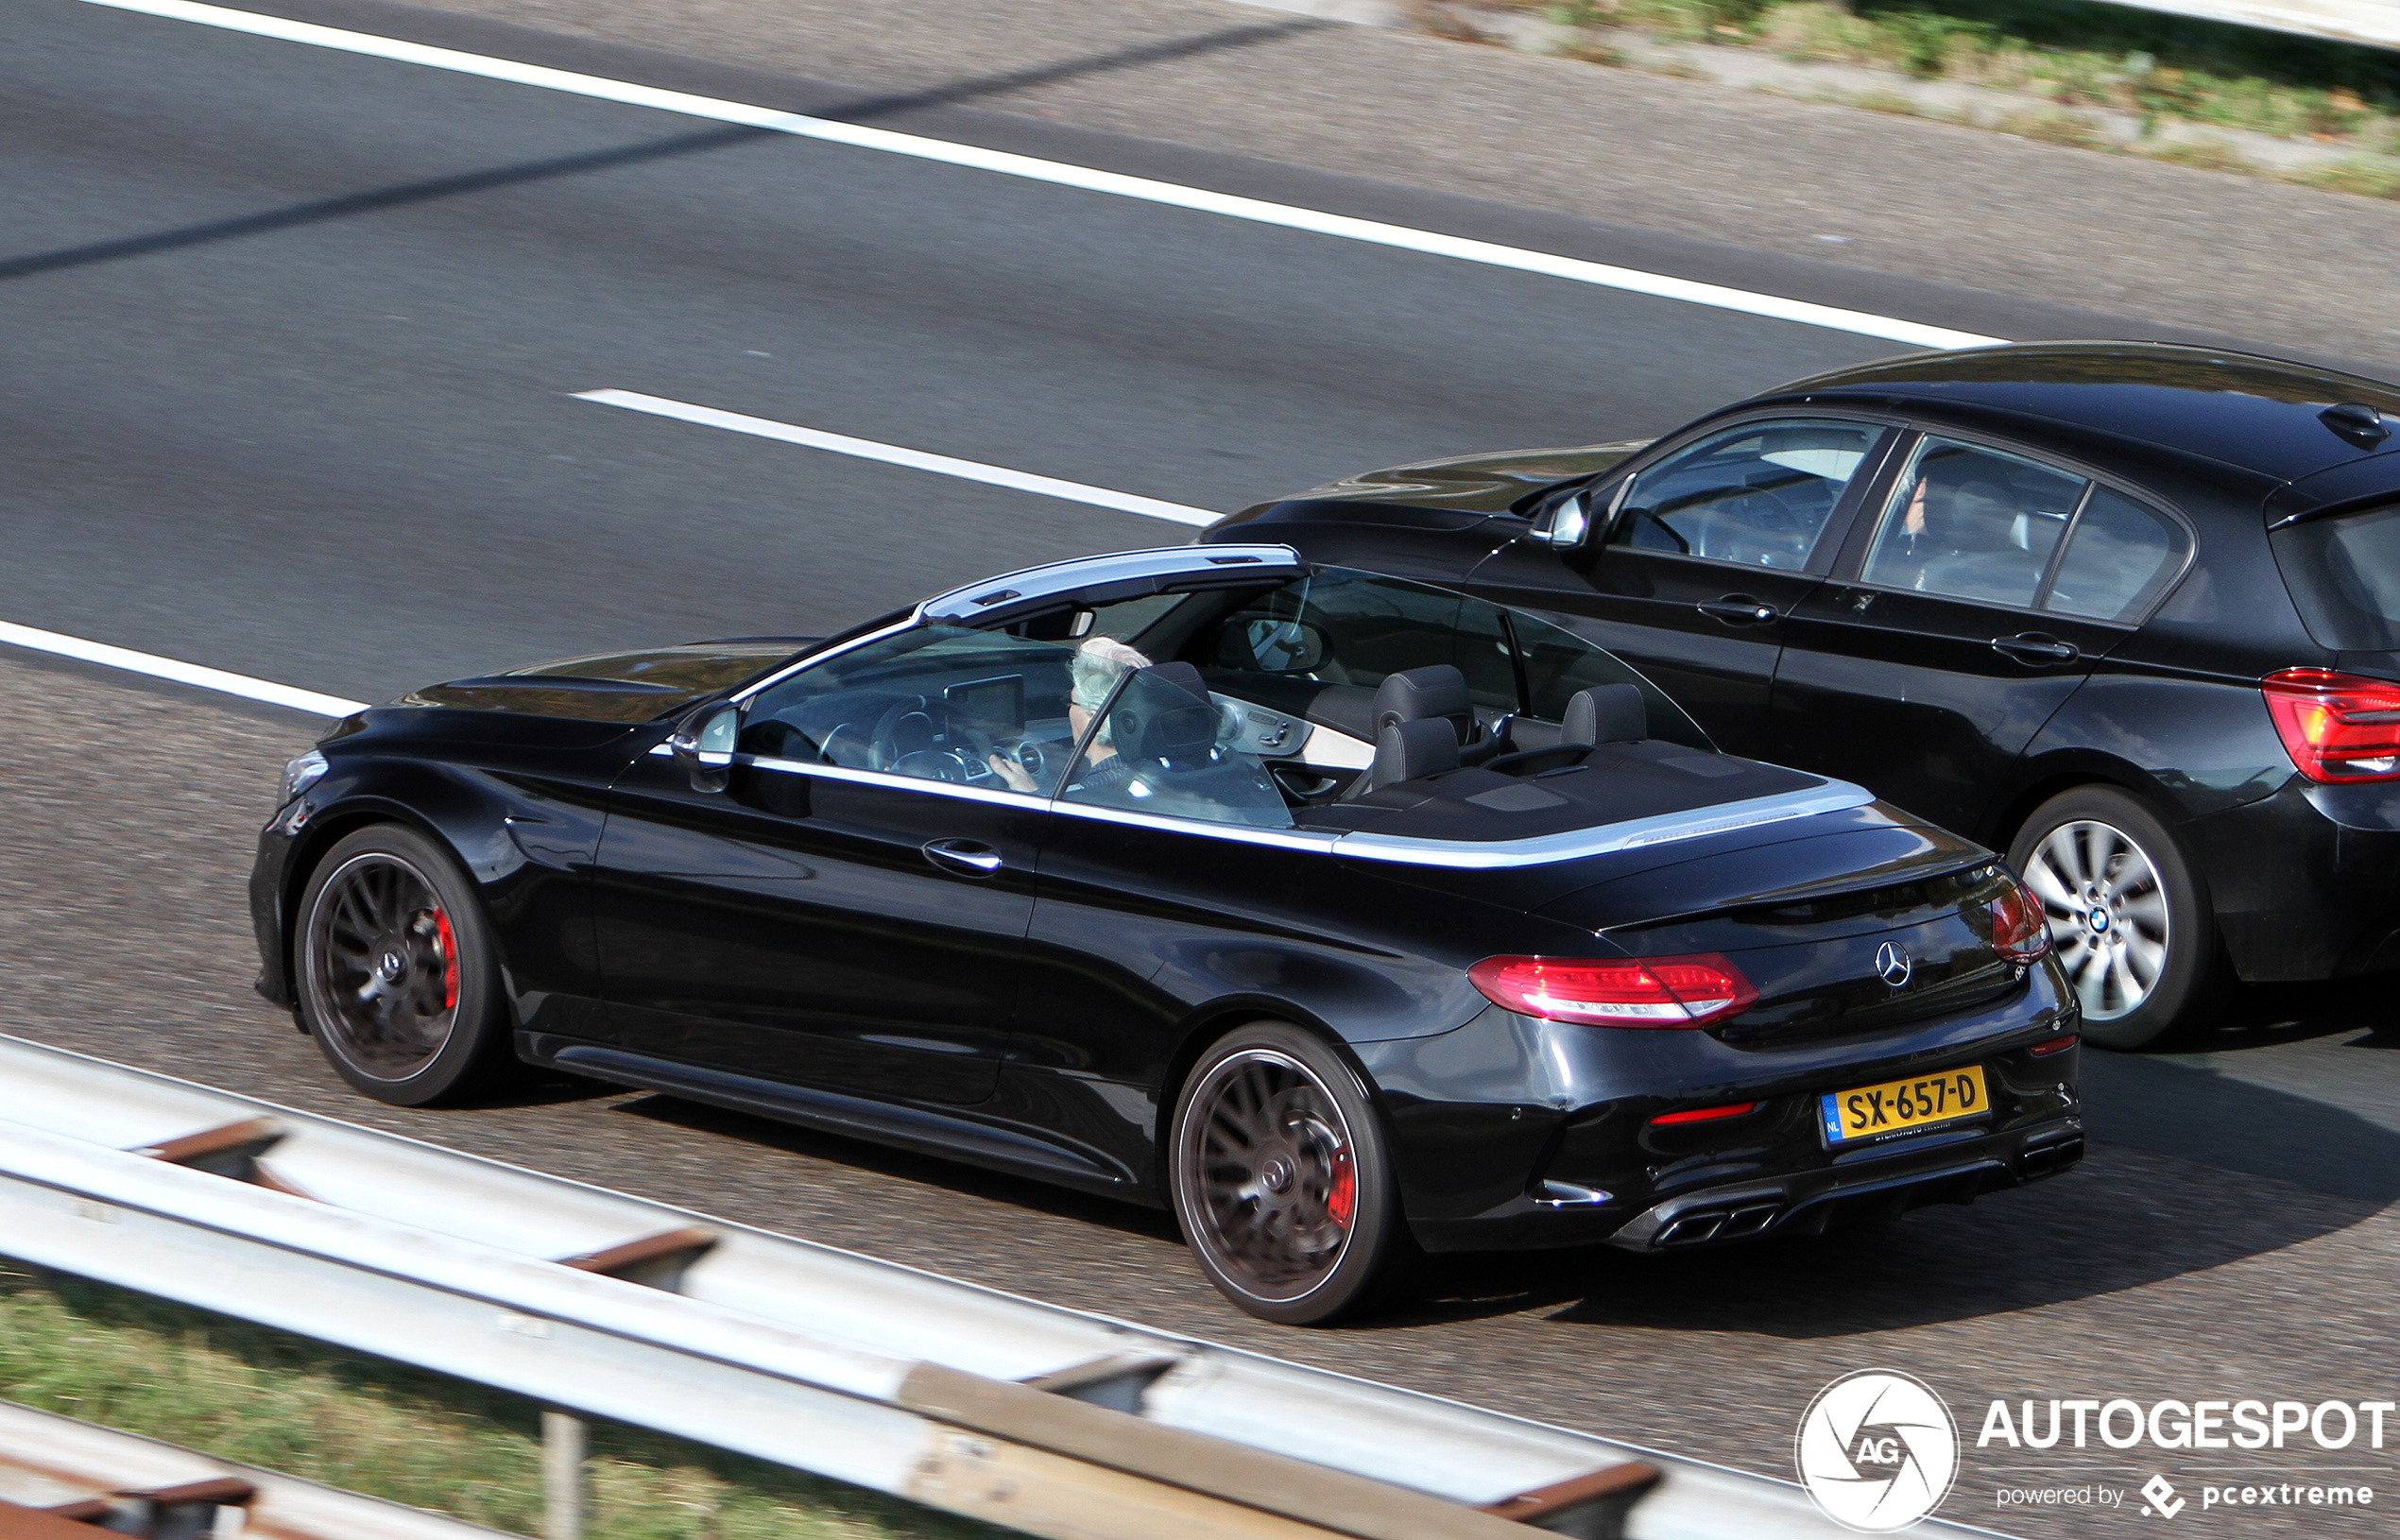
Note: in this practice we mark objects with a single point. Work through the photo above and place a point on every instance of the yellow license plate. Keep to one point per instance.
(1897, 1106)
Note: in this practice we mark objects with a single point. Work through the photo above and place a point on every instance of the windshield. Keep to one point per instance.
(2344, 575)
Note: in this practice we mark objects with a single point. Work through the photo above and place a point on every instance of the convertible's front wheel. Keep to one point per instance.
(1281, 1178)
(397, 982)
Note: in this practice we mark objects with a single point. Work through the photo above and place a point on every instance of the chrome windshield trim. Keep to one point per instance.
(1604, 839)
(743, 695)
(1066, 576)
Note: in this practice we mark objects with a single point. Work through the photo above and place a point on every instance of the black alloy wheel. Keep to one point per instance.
(1281, 1178)
(397, 979)
(2128, 921)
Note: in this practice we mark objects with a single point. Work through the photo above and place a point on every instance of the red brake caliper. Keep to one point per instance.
(1341, 1196)
(449, 944)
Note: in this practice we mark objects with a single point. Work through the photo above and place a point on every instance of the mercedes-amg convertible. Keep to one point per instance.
(1350, 918)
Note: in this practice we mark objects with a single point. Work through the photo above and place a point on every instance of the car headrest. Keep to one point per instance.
(1606, 713)
(1181, 737)
(1407, 750)
(1418, 695)
(1972, 516)
(1181, 675)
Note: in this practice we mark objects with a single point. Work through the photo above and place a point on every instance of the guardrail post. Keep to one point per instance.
(562, 1454)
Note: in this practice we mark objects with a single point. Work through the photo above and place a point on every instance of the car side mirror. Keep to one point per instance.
(702, 744)
(1565, 522)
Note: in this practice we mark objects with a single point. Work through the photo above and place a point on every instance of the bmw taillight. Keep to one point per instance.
(2020, 931)
(1636, 992)
(2337, 726)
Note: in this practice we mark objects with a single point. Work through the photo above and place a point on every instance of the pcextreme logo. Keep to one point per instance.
(1877, 1450)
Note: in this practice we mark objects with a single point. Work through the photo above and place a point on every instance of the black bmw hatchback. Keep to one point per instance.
(1344, 915)
(2129, 612)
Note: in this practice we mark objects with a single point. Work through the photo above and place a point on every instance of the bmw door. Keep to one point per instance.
(1961, 619)
(1694, 563)
(848, 909)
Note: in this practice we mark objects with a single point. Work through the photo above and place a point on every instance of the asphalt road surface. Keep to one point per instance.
(293, 338)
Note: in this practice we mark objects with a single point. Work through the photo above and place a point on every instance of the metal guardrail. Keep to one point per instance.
(1047, 1420)
(64, 1480)
(2375, 22)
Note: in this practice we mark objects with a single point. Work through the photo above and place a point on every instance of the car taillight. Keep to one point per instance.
(2335, 726)
(2048, 1046)
(1636, 992)
(2020, 931)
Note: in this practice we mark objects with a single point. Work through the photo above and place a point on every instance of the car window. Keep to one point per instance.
(935, 702)
(1558, 663)
(1759, 495)
(1972, 523)
(2117, 552)
(1158, 748)
(1343, 627)
(2344, 575)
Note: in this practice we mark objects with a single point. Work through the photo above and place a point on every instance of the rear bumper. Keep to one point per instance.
(2306, 883)
(1590, 1169)
(1811, 1204)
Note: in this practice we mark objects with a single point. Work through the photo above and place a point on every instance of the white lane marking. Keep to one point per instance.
(169, 668)
(868, 449)
(1369, 230)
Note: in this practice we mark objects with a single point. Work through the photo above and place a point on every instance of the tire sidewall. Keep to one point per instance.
(1378, 1231)
(478, 1035)
(2179, 1003)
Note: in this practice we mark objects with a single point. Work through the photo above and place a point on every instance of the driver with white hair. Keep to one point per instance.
(1094, 670)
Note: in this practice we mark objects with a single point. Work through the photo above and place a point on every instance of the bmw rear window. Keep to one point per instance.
(2344, 575)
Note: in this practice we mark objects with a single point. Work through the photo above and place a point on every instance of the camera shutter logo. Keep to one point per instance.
(1877, 1450)
(1893, 964)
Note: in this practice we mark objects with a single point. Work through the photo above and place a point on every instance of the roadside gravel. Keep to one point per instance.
(2170, 247)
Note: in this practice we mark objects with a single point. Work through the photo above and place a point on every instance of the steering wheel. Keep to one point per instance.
(935, 764)
(886, 747)
(1763, 521)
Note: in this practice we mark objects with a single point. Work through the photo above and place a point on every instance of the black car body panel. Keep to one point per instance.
(1957, 710)
(901, 948)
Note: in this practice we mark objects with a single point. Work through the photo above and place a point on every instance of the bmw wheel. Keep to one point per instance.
(397, 981)
(2128, 921)
(1281, 1178)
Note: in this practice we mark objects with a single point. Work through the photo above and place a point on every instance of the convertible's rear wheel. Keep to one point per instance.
(2127, 917)
(1281, 1178)
(397, 979)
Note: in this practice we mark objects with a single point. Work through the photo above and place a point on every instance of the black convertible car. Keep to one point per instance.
(2129, 612)
(1344, 915)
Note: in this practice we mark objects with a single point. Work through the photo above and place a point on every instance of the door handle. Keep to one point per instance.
(962, 858)
(2033, 646)
(1738, 609)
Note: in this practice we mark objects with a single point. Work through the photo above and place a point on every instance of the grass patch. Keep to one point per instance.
(2207, 154)
(244, 1392)
(2370, 177)
(2054, 129)
(2073, 53)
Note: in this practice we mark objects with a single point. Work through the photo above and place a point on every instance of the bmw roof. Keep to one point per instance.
(2264, 414)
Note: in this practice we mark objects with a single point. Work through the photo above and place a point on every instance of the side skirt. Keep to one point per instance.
(917, 1128)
